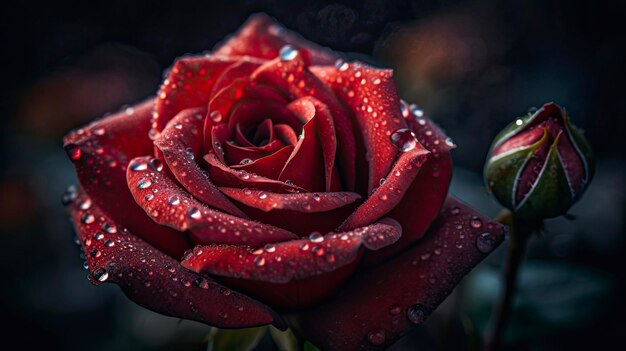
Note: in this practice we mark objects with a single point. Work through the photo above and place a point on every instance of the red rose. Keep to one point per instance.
(292, 175)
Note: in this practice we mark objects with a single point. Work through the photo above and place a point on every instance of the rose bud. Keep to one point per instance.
(540, 164)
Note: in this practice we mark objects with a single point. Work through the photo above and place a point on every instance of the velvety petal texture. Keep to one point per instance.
(271, 175)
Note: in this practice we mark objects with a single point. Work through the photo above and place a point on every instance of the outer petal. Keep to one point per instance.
(188, 84)
(378, 307)
(288, 274)
(301, 213)
(100, 152)
(371, 95)
(169, 205)
(157, 281)
(180, 143)
(262, 37)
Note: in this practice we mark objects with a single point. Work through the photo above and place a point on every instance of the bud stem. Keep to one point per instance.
(520, 232)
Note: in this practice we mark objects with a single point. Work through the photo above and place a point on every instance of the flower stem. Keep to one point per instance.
(520, 231)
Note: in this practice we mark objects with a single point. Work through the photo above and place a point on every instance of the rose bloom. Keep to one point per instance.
(271, 177)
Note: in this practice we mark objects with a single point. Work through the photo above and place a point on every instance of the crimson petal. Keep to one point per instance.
(169, 205)
(371, 94)
(100, 153)
(157, 281)
(288, 273)
(390, 192)
(294, 78)
(381, 305)
(307, 108)
(225, 176)
(188, 84)
(180, 144)
(262, 37)
(269, 166)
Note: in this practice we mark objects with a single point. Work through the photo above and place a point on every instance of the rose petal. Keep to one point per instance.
(426, 131)
(241, 69)
(248, 114)
(371, 95)
(286, 134)
(381, 305)
(305, 166)
(157, 281)
(169, 205)
(100, 153)
(223, 175)
(294, 78)
(188, 84)
(264, 133)
(180, 143)
(285, 273)
(307, 108)
(301, 213)
(391, 191)
(268, 166)
(262, 37)
(234, 154)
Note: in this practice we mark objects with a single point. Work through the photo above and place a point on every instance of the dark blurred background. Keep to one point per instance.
(473, 66)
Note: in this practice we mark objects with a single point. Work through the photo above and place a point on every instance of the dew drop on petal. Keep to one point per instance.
(144, 183)
(87, 218)
(486, 242)
(194, 213)
(404, 139)
(109, 228)
(100, 274)
(476, 222)
(216, 116)
(316, 237)
(173, 200)
(245, 161)
(259, 261)
(138, 166)
(287, 53)
(156, 164)
(262, 195)
(416, 314)
(376, 338)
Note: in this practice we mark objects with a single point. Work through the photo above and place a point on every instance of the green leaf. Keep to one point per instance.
(551, 297)
(235, 339)
(285, 340)
(310, 347)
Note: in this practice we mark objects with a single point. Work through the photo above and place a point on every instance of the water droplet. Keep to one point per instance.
(289, 182)
(201, 283)
(486, 242)
(262, 195)
(129, 111)
(376, 338)
(194, 213)
(245, 161)
(87, 218)
(449, 142)
(95, 253)
(316, 237)
(382, 181)
(74, 152)
(376, 81)
(318, 251)
(109, 243)
(98, 236)
(476, 222)
(395, 310)
(216, 116)
(190, 153)
(86, 264)
(259, 261)
(422, 122)
(519, 122)
(109, 228)
(153, 134)
(304, 246)
(425, 256)
(148, 197)
(173, 200)
(100, 131)
(156, 164)
(532, 110)
(84, 203)
(269, 248)
(287, 53)
(69, 195)
(144, 183)
(100, 274)
(455, 210)
(404, 139)
(416, 314)
(341, 65)
(138, 166)
(317, 197)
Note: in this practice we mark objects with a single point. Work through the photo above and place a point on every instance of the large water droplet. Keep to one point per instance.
(109, 228)
(342, 65)
(84, 203)
(486, 242)
(262, 195)
(245, 161)
(194, 213)
(138, 166)
(416, 314)
(144, 183)
(476, 222)
(70, 195)
(404, 139)
(216, 116)
(269, 248)
(316, 237)
(173, 200)
(376, 338)
(156, 164)
(287, 53)
(100, 274)
(87, 218)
